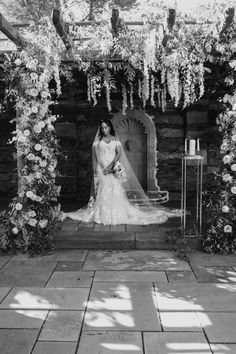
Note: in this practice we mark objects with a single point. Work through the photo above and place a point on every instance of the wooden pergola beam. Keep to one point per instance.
(229, 18)
(11, 32)
(127, 23)
(61, 28)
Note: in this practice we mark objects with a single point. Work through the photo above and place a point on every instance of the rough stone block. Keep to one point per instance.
(195, 117)
(171, 132)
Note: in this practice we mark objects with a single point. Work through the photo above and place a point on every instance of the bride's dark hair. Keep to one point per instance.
(109, 124)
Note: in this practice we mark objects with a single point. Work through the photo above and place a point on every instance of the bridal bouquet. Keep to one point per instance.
(119, 171)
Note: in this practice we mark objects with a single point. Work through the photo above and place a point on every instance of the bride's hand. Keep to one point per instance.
(106, 171)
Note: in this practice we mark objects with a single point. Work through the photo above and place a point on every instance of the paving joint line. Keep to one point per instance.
(85, 310)
(36, 340)
(50, 275)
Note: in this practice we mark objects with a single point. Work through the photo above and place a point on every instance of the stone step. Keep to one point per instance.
(75, 235)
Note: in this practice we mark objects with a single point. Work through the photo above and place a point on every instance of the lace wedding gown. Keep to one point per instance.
(112, 206)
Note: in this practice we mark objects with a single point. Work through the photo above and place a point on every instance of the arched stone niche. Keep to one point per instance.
(119, 120)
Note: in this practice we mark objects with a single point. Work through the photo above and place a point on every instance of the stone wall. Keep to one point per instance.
(77, 127)
(8, 171)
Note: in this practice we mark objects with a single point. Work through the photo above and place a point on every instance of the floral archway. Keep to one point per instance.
(162, 60)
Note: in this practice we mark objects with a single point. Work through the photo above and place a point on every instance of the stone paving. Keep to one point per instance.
(117, 302)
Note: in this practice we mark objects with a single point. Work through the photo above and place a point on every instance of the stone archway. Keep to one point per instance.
(119, 120)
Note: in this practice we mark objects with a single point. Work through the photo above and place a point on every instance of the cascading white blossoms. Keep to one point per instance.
(156, 72)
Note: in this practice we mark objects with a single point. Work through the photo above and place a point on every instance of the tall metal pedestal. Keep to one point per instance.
(192, 166)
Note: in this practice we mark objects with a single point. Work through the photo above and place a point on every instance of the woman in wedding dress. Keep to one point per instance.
(109, 204)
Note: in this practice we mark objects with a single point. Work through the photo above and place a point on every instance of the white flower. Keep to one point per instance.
(41, 124)
(33, 92)
(38, 175)
(37, 198)
(38, 147)
(224, 146)
(34, 76)
(43, 223)
(43, 163)
(31, 213)
(51, 127)
(34, 109)
(21, 194)
(32, 222)
(45, 151)
(37, 129)
(44, 94)
(18, 62)
(234, 138)
(27, 111)
(31, 65)
(225, 209)
(233, 189)
(232, 64)
(227, 177)
(228, 228)
(26, 132)
(18, 206)
(229, 81)
(21, 139)
(226, 159)
(31, 157)
(43, 78)
(15, 231)
(30, 194)
(51, 168)
(233, 167)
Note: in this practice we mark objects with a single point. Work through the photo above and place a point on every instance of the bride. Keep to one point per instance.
(117, 196)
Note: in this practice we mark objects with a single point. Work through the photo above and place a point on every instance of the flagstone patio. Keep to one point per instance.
(79, 235)
(130, 301)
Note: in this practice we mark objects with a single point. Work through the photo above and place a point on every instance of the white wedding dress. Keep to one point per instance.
(111, 205)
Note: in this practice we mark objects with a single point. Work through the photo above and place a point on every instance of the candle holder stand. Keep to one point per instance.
(196, 161)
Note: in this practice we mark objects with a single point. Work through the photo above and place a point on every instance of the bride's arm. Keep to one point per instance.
(97, 155)
(116, 158)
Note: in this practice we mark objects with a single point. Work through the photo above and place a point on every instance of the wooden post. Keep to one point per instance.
(11, 32)
(170, 25)
(61, 28)
(91, 15)
(229, 19)
(117, 23)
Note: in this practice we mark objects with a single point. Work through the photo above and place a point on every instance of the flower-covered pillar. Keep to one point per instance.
(31, 219)
(221, 233)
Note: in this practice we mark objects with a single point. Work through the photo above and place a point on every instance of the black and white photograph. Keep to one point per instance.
(117, 177)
